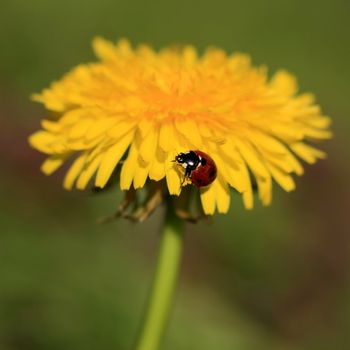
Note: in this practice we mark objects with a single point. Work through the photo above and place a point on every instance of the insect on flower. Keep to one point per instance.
(199, 167)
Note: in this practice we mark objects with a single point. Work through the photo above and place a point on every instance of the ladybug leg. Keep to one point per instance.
(187, 175)
(188, 172)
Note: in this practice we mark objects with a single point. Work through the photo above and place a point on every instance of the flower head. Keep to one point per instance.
(140, 108)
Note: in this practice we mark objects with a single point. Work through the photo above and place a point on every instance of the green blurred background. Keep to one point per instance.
(273, 278)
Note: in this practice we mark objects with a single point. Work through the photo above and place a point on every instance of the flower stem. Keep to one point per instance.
(164, 283)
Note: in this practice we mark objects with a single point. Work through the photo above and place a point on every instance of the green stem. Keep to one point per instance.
(164, 283)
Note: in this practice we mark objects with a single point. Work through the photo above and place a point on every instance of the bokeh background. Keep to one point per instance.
(272, 278)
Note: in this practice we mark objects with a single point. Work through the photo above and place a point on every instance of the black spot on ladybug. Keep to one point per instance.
(212, 174)
(199, 181)
(203, 161)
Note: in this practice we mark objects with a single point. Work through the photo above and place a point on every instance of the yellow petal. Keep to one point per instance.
(265, 190)
(50, 100)
(59, 147)
(181, 144)
(157, 168)
(222, 195)
(305, 99)
(42, 141)
(73, 116)
(145, 126)
(74, 171)
(281, 157)
(208, 199)
(318, 122)
(284, 82)
(100, 148)
(173, 178)
(120, 129)
(50, 125)
(318, 134)
(288, 133)
(88, 171)
(243, 181)
(147, 146)
(129, 167)
(231, 153)
(124, 47)
(79, 129)
(166, 136)
(51, 164)
(231, 172)
(252, 158)
(248, 199)
(99, 127)
(78, 145)
(267, 142)
(189, 55)
(189, 129)
(141, 174)
(204, 130)
(239, 63)
(283, 179)
(104, 49)
(111, 158)
(279, 161)
(307, 153)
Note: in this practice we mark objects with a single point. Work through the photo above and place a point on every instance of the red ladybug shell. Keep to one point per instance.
(206, 173)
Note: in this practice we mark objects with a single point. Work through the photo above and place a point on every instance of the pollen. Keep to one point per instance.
(139, 108)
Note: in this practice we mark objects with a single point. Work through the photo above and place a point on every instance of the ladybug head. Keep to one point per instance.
(180, 158)
(188, 160)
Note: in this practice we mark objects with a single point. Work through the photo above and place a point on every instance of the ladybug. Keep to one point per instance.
(199, 167)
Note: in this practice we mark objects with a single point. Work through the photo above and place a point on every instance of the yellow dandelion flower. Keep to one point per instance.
(141, 108)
